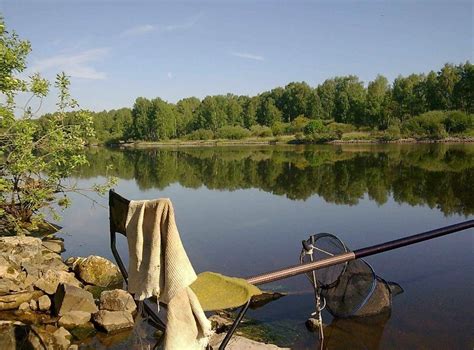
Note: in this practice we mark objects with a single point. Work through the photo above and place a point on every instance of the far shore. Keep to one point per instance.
(285, 140)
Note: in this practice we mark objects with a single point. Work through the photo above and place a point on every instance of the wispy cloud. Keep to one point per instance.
(169, 75)
(78, 65)
(183, 26)
(138, 30)
(248, 56)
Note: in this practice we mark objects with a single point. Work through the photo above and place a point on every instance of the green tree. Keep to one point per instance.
(268, 114)
(186, 109)
(327, 96)
(376, 108)
(349, 106)
(35, 158)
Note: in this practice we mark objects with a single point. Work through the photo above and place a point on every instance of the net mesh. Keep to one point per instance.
(349, 289)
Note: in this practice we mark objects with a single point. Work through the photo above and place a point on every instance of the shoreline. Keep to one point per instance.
(273, 142)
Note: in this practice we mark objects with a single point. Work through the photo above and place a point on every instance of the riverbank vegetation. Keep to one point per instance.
(429, 106)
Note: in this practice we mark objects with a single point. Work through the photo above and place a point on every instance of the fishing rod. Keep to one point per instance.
(356, 254)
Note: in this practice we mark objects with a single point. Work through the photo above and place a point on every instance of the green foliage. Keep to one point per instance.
(261, 131)
(200, 134)
(315, 126)
(299, 124)
(280, 128)
(36, 156)
(458, 122)
(392, 133)
(232, 133)
(426, 126)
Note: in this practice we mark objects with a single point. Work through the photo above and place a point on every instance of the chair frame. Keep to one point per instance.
(120, 204)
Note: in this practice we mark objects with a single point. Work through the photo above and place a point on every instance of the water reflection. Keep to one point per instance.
(436, 175)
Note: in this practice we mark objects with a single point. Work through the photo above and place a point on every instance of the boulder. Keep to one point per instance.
(51, 279)
(113, 321)
(84, 331)
(71, 298)
(13, 301)
(73, 319)
(117, 300)
(44, 303)
(96, 270)
(312, 324)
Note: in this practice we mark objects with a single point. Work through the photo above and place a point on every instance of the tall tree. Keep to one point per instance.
(375, 105)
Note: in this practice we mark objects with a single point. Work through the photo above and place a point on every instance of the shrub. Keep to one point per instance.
(315, 126)
(356, 135)
(200, 134)
(299, 123)
(261, 131)
(392, 133)
(428, 125)
(341, 127)
(232, 132)
(323, 137)
(280, 128)
(457, 122)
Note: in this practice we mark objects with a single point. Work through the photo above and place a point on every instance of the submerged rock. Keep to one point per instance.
(70, 298)
(117, 300)
(96, 270)
(113, 321)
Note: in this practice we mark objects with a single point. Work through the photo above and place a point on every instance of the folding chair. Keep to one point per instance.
(118, 209)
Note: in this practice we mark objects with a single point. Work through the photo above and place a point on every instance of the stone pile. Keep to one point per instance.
(48, 303)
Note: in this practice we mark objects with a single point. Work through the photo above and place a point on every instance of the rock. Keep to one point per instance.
(13, 301)
(113, 321)
(24, 307)
(312, 324)
(33, 305)
(237, 343)
(54, 245)
(97, 271)
(51, 279)
(73, 347)
(44, 303)
(95, 290)
(74, 319)
(117, 300)
(220, 324)
(71, 298)
(264, 298)
(84, 331)
(21, 249)
(62, 338)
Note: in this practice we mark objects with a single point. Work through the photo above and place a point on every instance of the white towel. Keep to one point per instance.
(159, 266)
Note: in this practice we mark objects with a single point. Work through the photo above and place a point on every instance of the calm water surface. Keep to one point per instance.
(245, 210)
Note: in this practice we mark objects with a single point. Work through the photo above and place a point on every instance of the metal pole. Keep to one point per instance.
(372, 250)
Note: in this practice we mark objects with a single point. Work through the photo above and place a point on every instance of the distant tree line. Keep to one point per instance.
(298, 107)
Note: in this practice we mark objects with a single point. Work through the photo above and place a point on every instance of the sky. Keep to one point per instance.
(115, 51)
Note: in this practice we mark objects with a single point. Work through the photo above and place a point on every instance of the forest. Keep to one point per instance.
(432, 106)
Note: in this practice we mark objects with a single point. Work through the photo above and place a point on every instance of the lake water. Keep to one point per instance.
(244, 210)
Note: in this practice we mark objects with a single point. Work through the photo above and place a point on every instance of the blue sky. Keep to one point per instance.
(116, 51)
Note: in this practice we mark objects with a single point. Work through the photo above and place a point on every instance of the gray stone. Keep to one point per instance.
(312, 324)
(44, 303)
(24, 307)
(73, 319)
(20, 250)
(117, 300)
(71, 298)
(113, 321)
(51, 279)
(73, 347)
(96, 270)
(13, 301)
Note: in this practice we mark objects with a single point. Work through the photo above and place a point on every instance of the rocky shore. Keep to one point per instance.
(50, 303)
